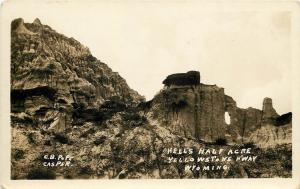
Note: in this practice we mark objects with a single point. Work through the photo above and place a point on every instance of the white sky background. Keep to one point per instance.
(247, 53)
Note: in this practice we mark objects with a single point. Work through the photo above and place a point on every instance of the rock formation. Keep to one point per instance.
(52, 72)
(242, 121)
(189, 78)
(65, 101)
(197, 111)
(268, 112)
(37, 22)
(19, 27)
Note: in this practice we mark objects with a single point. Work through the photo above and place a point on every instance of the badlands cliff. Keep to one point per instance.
(64, 101)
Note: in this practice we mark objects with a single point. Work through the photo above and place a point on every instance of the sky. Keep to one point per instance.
(248, 53)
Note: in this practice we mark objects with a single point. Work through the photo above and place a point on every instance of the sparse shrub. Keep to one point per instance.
(69, 176)
(114, 105)
(122, 176)
(30, 138)
(145, 105)
(89, 58)
(287, 164)
(62, 138)
(79, 106)
(133, 119)
(132, 116)
(44, 132)
(47, 143)
(87, 170)
(28, 57)
(40, 158)
(100, 140)
(142, 152)
(78, 109)
(249, 145)
(41, 173)
(221, 141)
(271, 155)
(18, 154)
(88, 132)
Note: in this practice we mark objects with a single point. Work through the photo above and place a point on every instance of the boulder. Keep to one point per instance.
(189, 78)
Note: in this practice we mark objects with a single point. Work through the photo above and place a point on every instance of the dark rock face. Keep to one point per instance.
(283, 119)
(19, 96)
(189, 78)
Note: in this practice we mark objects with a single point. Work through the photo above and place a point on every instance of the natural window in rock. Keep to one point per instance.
(227, 118)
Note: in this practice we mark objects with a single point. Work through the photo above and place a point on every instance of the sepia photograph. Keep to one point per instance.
(149, 90)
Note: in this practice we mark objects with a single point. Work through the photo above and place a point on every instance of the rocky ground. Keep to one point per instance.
(128, 148)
